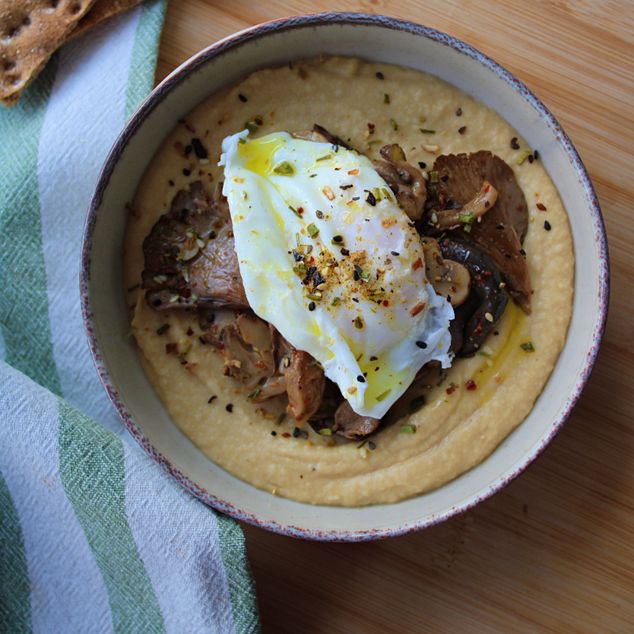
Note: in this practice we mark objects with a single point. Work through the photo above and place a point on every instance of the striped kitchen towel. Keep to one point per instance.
(94, 537)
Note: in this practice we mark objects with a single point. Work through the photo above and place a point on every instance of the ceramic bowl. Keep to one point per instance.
(373, 38)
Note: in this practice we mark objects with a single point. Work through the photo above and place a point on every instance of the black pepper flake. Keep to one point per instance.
(379, 75)
(170, 182)
(229, 407)
(422, 164)
(374, 358)
(462, 130)
(514, 144)
(531, 158)
(199, 149)
(186, 172)
(421, 344)
(459, 112)
(371, 199)
(361, 378)
(355, 300)
(522, 252)
(444, 178)
(319, 214)
(311, 306)
(499, 227)
(547, 225)
(242, 98)
(345, 186)
(344, 251)
(536, 155)
(296, 432)
(188, 150)
(396, 253)
(273, 433)
(162, 329)
(337, 239)
(371, 445)
(212, 235)
(211, 399)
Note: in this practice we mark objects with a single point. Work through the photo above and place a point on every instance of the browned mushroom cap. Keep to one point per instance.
(502, 229)
(486, 285)
(190, 257)
(406, 181)
(351, 425)
(305, 383)
(450, 279)
(247, 349)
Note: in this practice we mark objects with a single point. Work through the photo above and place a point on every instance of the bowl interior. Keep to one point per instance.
(370, 38)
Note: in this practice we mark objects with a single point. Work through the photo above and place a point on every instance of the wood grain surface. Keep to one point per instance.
(554, 551)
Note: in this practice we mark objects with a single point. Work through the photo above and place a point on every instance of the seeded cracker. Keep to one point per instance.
(30, 31)
(102, 10)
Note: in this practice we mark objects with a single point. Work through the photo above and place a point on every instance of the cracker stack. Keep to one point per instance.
(32, 30)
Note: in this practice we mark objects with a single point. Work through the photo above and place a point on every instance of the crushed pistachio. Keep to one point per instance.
(407, 429)
(284, 169)
(527, 346)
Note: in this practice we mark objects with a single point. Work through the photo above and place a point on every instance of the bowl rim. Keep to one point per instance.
(185, 70)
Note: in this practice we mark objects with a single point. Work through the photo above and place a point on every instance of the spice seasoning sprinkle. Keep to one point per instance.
(427, 131)
(514, 144)
(361, 378)
(337, 239)
(229, 407)
(162, 329)
(421, 344)
(273, 433)
(379, 75)
(211, 399)
(471, 385)
(462, 130)
(312, 306)
(186, 172)
(527, 346)
(371, 199)
(386, 98)
(395, 253)
(371, 445)
(242, 98)
(344, 251)
(199, 148)
(541, 207)
(459, 112)
(422, 164)
(394, 125)
(547, 225)
(407, 429)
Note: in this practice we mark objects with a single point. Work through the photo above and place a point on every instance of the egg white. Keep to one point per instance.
(370, 334)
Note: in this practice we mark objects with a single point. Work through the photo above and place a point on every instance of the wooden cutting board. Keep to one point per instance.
(554, 551)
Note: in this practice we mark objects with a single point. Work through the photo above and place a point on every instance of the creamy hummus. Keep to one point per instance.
(481, 400)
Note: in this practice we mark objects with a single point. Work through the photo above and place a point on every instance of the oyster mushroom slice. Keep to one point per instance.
(448, 277)
(471, 211)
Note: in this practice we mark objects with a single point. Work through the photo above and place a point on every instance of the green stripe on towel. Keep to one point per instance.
(144, 54)
(92, 473)
(24, 300)
(15, 600)
(241, 587)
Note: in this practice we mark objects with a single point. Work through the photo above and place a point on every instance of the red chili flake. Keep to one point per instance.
(371, 127)
(386, 303)
(417, 265)
(486, 188)
(190, 332)
(171, 348)
(300, 210)
(471, 385)
(417, 309)
(451, 389)
(286, 435)
(541, 207)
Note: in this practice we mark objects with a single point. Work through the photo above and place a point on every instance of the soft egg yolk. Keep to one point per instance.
(258, 155)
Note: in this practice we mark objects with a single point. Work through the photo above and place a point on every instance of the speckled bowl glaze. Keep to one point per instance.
(374, 38)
